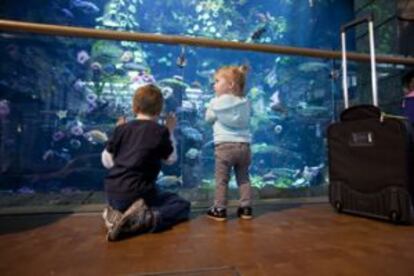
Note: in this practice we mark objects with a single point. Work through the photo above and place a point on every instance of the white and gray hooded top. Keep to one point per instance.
(230, 116)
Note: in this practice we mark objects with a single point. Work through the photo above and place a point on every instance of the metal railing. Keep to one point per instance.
(49, 29)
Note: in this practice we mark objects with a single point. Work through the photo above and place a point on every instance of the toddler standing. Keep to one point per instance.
(229, 112)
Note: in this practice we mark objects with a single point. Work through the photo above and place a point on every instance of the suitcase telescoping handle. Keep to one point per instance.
(344, 28)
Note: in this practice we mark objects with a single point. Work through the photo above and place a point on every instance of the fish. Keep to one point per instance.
(186, 107)
(286, 172)
(276, 105)
(48, 154)
(96, 136)
(310, 172)
(192, 154)
(4, 108)
(109, 69)
(194, 91)
(275, 99)
(127, 56)
(206, 73)
(311, 3)
(134, 66)
(86, 6)
(61, 114)
(51, 154)
(179, 78)
(257, 34)
(318, 131)
(300, 182)
(82, 57)
(196, 84)
(271, 78)
(310, 176)
(313, 66)
(167, 92)
(169, 181)
(67, 13)
(264, 148)
(79, 85)
(26, 190)
(270, 176)
(181, 59)
(310, 110)
(192, 133)
(265, 17)
(8, 36)
(108, 22)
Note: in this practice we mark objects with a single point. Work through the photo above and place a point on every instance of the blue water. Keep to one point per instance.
(60, 96)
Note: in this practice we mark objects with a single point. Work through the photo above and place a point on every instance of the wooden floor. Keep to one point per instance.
(307, 239)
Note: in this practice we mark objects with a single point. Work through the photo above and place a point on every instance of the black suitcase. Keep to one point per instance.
(370, 156)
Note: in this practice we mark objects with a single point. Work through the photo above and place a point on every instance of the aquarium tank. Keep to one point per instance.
(60, 96)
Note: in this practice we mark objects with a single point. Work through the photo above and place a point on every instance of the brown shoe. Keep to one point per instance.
(110, 217)
(135, 209)
(141, 222)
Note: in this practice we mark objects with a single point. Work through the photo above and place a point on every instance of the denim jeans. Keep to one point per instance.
(169, 207)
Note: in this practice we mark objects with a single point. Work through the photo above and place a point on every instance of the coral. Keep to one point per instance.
(106, 52)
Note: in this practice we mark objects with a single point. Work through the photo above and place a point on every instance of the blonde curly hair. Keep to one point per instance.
(236, 74)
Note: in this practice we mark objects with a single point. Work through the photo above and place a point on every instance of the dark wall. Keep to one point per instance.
(405, 15)
(394, 35)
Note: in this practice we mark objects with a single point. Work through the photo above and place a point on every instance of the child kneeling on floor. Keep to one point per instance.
(133, 156)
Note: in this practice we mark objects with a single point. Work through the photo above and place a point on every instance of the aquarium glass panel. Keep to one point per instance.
(304, 23)
(60, 97)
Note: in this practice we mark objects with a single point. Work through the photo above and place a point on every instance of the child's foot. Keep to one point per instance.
(245, 212)
(137, 207)
(218, 214)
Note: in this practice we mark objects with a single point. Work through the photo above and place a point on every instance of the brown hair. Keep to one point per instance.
(148, 100)
(238, 75)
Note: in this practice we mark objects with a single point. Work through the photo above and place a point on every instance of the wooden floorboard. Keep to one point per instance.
(282, 239)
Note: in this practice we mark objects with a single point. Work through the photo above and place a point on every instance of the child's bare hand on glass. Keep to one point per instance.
(170, 122)
(121, 120)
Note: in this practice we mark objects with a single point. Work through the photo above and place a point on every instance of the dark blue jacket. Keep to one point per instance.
(137, 148)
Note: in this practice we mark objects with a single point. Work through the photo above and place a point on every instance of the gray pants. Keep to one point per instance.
(232, 155)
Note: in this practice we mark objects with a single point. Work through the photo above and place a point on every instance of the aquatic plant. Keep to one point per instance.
(283, 182)
(257, 181)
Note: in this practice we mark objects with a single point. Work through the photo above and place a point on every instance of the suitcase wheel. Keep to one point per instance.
(338, 206)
